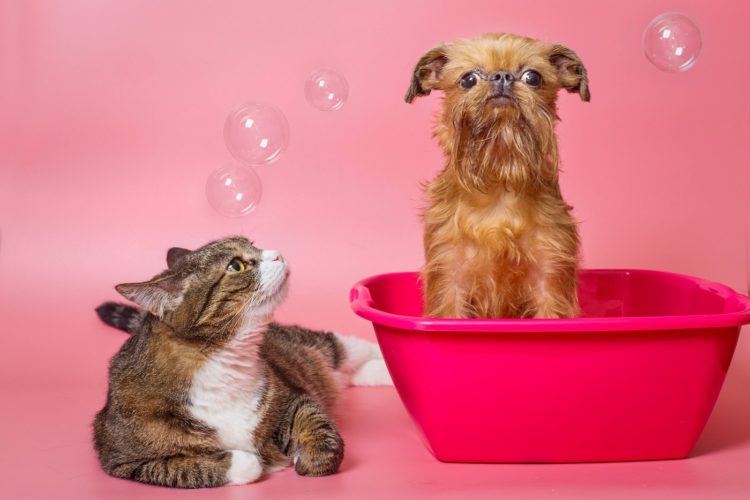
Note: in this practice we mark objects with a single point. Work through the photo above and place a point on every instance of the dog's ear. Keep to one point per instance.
(427, 72)
(571, 71)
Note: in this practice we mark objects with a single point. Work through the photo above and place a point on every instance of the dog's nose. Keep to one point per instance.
(502, 79)
(502, 76)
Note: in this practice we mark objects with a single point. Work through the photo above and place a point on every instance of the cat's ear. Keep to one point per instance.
(158, 296)
(174, 254)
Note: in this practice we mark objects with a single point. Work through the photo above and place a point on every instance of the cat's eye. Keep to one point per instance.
(531, 78)
(468, 80)
(236, 266)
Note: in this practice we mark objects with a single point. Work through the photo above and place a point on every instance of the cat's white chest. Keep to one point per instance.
(225, 395)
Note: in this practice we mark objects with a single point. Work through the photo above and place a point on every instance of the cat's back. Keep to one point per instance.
(155, 360)
(149, 378)
(125, 375)
(130, 358)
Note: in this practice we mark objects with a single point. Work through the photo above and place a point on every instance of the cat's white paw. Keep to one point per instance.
(358, 350)
(373, 372)
(245, 468)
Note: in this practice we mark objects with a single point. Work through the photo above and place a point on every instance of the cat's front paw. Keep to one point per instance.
(245, 468)
(322, 459)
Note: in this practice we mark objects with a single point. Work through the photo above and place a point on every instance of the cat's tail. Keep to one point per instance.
(364, 361)
(126, 318)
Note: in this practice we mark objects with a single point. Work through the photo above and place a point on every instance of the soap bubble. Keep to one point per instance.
(672, 42)
(256, 133)
(234, 190)
(326, 89)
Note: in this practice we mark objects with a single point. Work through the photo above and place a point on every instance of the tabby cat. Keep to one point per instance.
(208, 391)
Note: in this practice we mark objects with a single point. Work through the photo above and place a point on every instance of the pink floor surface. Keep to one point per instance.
(47, 453)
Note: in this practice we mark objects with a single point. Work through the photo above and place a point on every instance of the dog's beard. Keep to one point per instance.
(511, 145)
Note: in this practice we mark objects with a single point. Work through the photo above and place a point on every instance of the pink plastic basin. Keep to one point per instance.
(635, 378)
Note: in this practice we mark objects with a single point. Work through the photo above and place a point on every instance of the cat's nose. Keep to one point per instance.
(271, 255)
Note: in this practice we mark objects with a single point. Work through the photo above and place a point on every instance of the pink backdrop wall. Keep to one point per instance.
(111, 117)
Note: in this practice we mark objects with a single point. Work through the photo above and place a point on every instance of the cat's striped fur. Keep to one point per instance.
(207, 391)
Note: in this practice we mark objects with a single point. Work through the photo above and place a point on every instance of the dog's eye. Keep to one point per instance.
(531, 78)
(468, 80)
(236, 266)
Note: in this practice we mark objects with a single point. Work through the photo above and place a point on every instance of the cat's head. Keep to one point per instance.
(217, 288)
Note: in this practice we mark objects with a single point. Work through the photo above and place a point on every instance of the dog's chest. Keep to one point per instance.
(225, 395)
(502, 222)
(505, 211)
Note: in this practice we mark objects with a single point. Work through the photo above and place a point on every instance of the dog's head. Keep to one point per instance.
(499, 86)
(499, 71)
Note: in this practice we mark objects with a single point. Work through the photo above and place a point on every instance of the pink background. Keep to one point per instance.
(111, 116)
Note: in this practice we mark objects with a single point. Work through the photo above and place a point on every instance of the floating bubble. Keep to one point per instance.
(672, 42)
(256, 133)
(234, 190)
(326, 89)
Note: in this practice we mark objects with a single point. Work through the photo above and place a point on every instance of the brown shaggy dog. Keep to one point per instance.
(499, 238)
